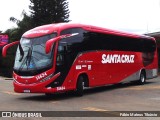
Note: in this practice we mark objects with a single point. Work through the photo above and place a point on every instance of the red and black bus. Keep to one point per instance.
(66, 56)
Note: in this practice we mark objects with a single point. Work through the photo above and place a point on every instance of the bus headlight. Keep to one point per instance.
(47, 78)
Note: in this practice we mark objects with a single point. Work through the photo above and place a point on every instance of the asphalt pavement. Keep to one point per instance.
(128, 97)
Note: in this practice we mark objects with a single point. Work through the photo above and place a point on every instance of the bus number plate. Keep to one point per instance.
(26, 91)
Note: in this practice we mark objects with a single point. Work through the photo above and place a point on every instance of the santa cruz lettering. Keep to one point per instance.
(117, 58)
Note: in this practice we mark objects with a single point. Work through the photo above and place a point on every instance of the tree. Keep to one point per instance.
(49, 11)
(22, 26)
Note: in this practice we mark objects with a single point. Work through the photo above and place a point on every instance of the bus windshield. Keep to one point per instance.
(31, 58)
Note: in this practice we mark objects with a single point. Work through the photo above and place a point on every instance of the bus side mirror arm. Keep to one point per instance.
(50, 42)
(5, 48)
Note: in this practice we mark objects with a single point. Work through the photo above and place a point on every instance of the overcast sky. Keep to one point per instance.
(137, 16)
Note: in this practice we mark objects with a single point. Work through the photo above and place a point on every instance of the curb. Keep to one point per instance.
(8, 78)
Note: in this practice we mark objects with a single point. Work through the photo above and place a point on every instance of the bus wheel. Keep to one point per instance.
(80, 86)
(142, 78)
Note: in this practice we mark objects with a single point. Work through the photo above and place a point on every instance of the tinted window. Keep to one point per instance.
(149, 46)
(73, 44)
(74, 39)
(86, 41)
(99, 41)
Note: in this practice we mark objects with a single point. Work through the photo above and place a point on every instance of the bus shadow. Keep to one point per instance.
(112, 87)
(70, 95)
(53, 97)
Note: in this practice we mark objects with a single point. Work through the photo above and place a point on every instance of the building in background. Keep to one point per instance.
(3, 40)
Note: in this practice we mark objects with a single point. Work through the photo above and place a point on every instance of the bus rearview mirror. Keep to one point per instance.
(5, 48)
(50, 42)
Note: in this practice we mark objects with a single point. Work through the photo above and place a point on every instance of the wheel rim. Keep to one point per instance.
(142, 78)
(83, 85)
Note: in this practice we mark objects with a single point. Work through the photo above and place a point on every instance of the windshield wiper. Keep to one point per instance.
(29, 54)
(21, 52)
(27, 60)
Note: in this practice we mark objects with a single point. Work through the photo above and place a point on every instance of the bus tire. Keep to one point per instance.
(142, 78)
(80, 86)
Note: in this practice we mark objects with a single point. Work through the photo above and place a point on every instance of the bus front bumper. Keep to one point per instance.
(39, 87)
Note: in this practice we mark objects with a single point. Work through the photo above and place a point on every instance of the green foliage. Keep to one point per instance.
(23, 25)
(49, 11)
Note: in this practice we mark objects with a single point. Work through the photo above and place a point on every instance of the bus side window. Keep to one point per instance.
(60, 55)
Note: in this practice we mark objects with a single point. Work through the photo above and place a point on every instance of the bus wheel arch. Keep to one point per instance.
(82, 81)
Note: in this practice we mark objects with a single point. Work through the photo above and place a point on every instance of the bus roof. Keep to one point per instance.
(57, 27)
